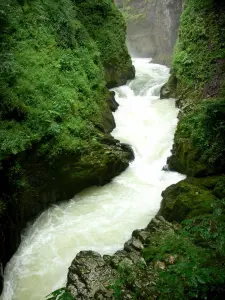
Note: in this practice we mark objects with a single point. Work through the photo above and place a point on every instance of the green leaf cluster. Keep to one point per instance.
(198, 59)
(198, 249)
(204, 127)
(108, 29)
(52, 78)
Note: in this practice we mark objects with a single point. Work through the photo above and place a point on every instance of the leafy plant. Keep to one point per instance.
(205, 127)
(197, 270)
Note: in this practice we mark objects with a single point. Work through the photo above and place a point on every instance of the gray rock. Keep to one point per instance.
(89, 276)
(141, 235)
(155, 33)
(92, 276)
(133, 244)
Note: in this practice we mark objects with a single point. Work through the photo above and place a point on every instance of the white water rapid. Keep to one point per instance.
(103, 218)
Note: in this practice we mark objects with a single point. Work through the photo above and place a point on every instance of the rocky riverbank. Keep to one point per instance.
(187, 260)
(57, 60)
(123, 274)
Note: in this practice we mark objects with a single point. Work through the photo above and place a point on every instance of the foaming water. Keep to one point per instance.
(102, 218)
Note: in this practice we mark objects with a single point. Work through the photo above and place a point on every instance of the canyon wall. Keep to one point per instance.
(152, 27)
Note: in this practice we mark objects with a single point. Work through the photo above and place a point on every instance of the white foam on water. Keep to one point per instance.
(103, 218)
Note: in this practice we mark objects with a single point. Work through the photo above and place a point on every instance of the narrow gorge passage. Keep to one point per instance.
(102, 218)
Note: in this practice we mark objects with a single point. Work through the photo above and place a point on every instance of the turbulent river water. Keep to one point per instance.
(102, 218)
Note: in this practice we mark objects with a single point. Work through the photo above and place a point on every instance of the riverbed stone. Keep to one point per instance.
(113, 105)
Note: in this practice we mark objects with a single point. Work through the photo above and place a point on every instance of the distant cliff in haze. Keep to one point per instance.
(152, 27)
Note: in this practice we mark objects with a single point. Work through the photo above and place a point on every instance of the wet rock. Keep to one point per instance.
(141, 235)
(164, 92)
(92, 276)
(155, 32)
(133, 244)
(113, 105)
(89, 276)
(165, 168)
(186, 199)
(127, 148)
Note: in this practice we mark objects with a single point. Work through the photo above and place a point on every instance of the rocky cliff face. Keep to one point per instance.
(185, 251)
(154, 32)
(198, 83)
(124, 275)
(57, 59)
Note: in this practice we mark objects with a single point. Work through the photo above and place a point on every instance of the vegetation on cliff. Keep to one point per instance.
(55, 120)
(198, 81)
(184, 260)
(198, 65)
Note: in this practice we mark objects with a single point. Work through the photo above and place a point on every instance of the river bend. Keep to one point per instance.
(102, 218)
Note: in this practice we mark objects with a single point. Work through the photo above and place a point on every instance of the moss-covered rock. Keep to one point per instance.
(191, 197)
(55, 114)
(124, 275)
(199, 58)
(199, 145)
(197, 81)
(108, 28)
(168, 89)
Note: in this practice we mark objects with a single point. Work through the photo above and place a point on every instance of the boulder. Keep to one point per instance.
(92, 276)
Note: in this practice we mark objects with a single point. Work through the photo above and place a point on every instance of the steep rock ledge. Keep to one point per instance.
(152, 27)
(192, 260)
(198, 82)
(55, 110)
(92, 276)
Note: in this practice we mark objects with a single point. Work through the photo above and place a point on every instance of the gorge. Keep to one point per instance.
(94, 218)
(58, 59)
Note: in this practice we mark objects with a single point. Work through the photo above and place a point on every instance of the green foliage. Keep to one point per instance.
(204, 126)
(198, 60)
(52, 75)
(55, 75)
(60, 294)
(198, 250)
(126, 276)
(110, 38)
(53, 108)
(130, 13)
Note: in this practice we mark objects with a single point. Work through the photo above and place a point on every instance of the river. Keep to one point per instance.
(102, 218)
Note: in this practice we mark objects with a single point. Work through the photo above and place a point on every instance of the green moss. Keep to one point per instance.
(53, 94)
(2, 208)
(198, 60)
(191, 197)
(199, 140)
(107, 27)
(192, 256)
(184, 201)
(55, 56)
